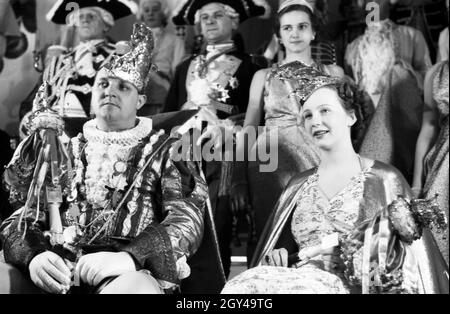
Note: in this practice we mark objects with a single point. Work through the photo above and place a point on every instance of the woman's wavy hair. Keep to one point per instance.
(356, 100)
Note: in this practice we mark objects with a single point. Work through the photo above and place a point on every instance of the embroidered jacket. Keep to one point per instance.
(160, 223)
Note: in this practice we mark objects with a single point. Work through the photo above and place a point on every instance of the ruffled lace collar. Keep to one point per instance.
(129, 137)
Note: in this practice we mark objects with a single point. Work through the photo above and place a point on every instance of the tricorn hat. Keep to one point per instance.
(117, 8)
(245, 8)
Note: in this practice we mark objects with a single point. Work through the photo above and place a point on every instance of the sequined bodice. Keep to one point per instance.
(316, 216)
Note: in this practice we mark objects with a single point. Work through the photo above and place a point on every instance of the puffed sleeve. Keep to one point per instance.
(22, 234)
(425, 263)
(19, 246)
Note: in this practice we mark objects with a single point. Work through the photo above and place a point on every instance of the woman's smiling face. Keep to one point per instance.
(325, 118)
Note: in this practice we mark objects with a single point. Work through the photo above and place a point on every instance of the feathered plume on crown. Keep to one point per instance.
(135, 65)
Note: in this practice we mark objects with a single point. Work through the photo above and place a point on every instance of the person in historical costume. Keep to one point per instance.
(222, 71)
(270, 105)
(389, 62)
(71, 70)
(131, 216)
(217, 84)
(330, 218)
(431, 160)
(168, 53)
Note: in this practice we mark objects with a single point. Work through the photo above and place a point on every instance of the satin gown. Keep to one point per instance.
(314, 218)
(303, 216)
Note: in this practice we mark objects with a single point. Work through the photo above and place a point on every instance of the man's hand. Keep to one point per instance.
(49, 272)
(93, 268)
(277, 257)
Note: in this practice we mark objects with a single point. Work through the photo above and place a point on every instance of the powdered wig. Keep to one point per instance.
(106, 17)
(164, 9)
(229, 11)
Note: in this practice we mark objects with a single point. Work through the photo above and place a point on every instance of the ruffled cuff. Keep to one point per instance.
(183, 271)
(20, 251)
(152, 250)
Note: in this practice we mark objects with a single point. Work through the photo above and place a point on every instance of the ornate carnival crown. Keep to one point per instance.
(185, 13)
(305, 80)
(136, 64)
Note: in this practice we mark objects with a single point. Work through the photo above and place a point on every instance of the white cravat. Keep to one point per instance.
(213, 50)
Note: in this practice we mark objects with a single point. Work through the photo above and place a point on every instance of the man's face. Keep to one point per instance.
(115, 102)
(217, 26)
(90, 25)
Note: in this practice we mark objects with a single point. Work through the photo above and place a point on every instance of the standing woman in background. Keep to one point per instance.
(169, 51)
(389, 61)
(431, 162)
(270, 105)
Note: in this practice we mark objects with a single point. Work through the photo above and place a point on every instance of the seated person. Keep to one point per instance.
(131, 215)
(321, 211)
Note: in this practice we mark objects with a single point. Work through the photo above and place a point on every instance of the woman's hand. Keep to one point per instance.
(50, 273)
(278, 257)
(93, 268)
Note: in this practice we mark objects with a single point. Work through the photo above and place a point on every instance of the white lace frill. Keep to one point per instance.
(129, 137)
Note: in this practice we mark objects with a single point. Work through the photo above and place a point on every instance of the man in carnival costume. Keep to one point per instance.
(131, 216)
(217, 83)
(70, 67)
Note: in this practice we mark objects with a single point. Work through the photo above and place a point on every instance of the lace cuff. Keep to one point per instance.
(183, 271)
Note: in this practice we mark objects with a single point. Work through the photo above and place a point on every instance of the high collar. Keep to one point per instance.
(89, 43)
(130, 137)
